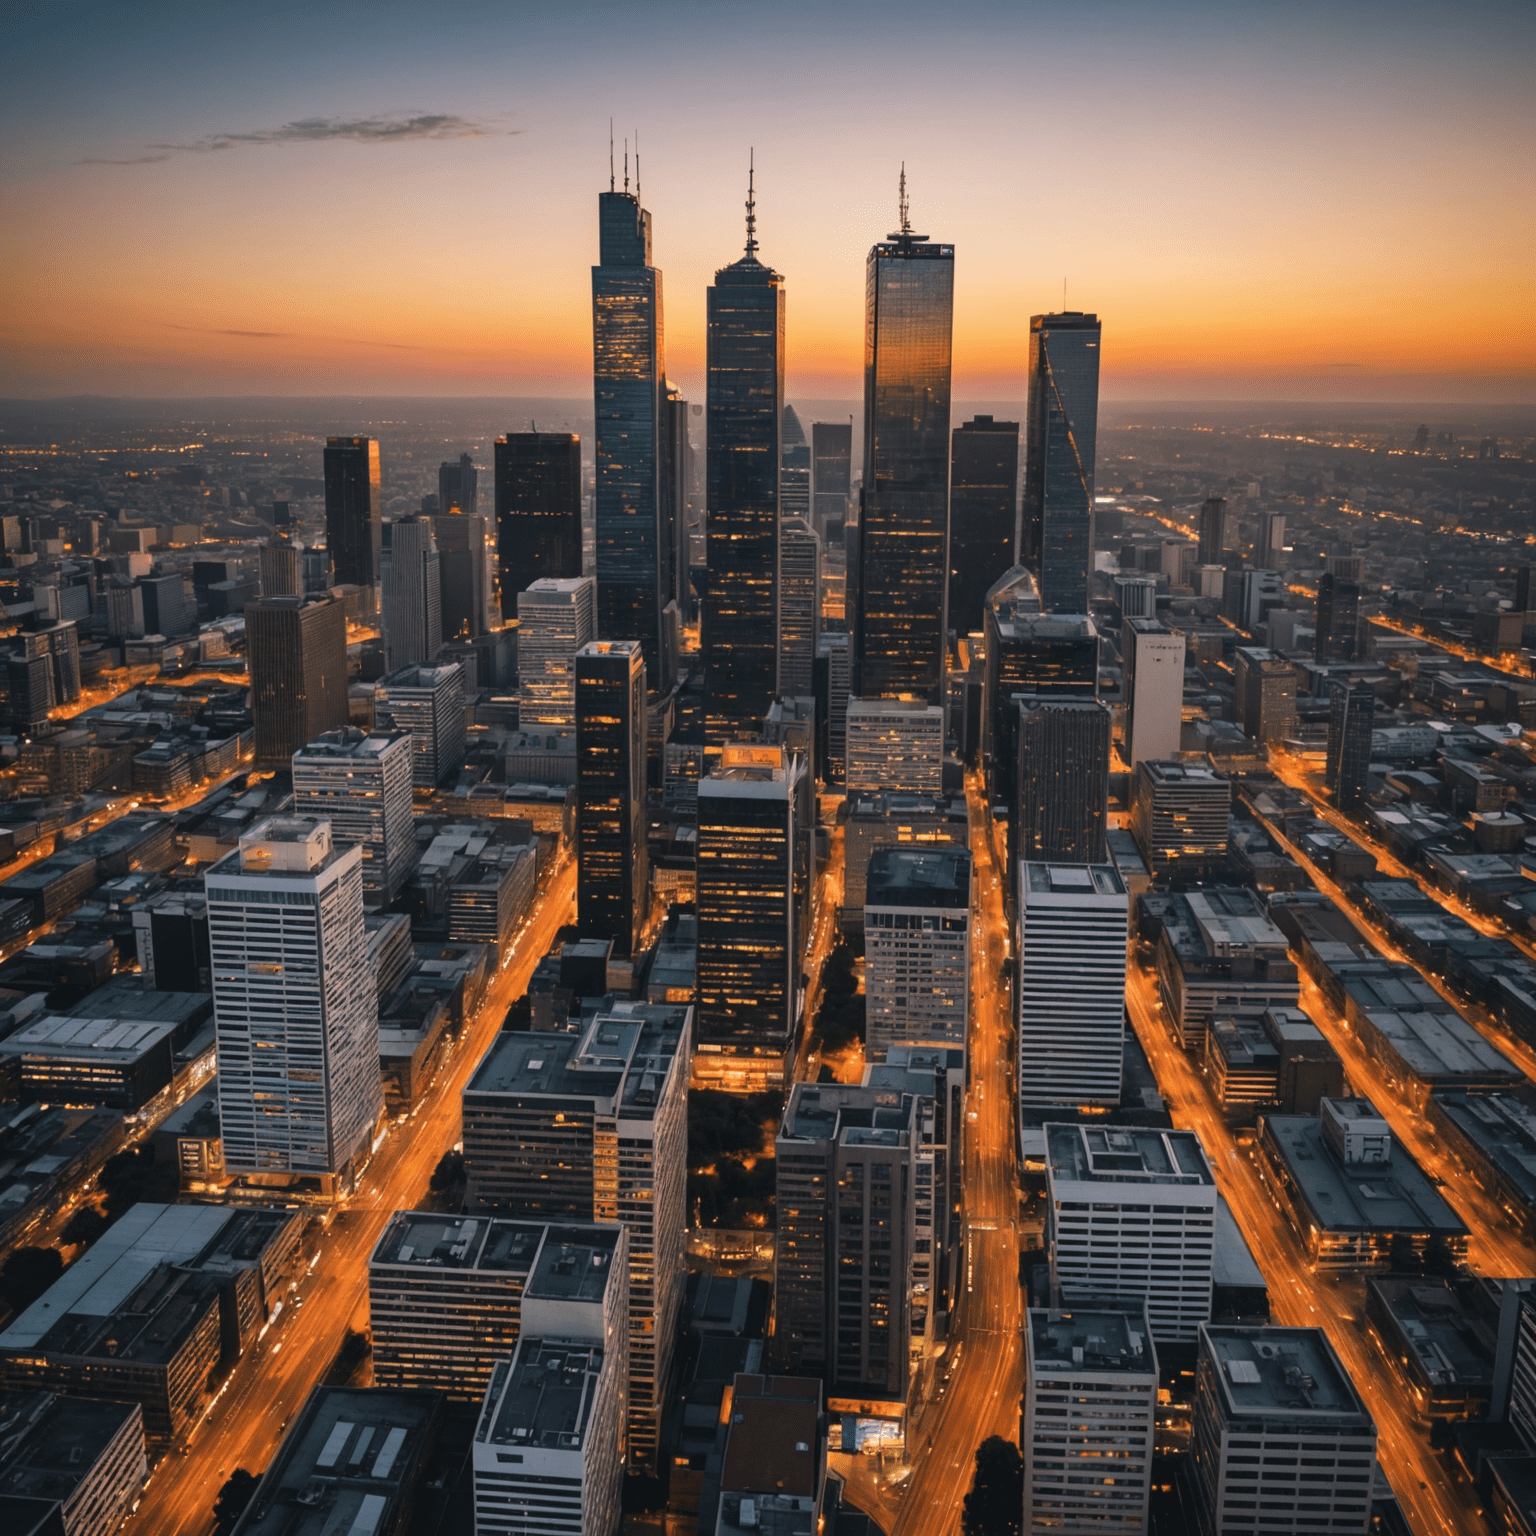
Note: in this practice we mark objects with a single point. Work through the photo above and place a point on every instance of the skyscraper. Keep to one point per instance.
(1057, 522)
(428, 703)
(1061, 793)
(983, 515)
(751, 922)
(464, 573)
(1351, 717)
(612, 876)
(279, 571)
(360, 782)
(555, 619)
(628, 375)
(831, 477)
(295, 1005)
(1213, 530)
(1071, 993)
(538, 511)
(296, 649)
(897, 608)
(740, 632)
(1339, 629)
(412, 610)
(1265, 686)
(1154, 690)
(799, 607)
(794, 467)
(353, 531)
(458, 486)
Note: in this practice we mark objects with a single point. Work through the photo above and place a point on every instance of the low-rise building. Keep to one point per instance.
(1494, 1135)
(85, 1456)
(1179, 815)
(1441, 1337)
(116, 1063)
(774, 1472)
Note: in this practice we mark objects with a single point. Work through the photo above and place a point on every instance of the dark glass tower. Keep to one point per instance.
(1213, 530)
(353, 530)
(740, 632)
(612, 878)
(538, 511)
(1338, 619)
(897, 605)
(1351, 719)
(628, 379)
(458, 486)
(983, 515)
(1057, 526)
(794, 467)
(831, 477)
(1061, 800)
(297, 651)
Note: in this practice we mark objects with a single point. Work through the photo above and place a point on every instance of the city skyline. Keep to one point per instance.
(1309, 271)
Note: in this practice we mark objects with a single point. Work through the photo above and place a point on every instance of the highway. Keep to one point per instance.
(246, 1420)
(1433, 1501)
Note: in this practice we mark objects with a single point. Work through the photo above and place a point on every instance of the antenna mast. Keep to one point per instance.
(626, 165)
(751, 204)
(637, 164)
(610, 154)
(906, 222)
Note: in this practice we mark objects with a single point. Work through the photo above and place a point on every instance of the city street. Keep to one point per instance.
(284, 1366)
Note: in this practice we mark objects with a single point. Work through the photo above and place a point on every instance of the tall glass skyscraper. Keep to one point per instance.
(538, 511)
(897, 611)
(628, 379)
(983, 515)
(353, 530)
(1057, 533)
(745, 404)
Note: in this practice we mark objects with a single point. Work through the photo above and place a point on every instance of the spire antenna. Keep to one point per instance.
(637, 162)
(906, 222)
(626, 165)
(751, 203)
(610, 154)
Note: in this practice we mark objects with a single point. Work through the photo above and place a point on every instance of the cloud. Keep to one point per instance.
(395, 129)
(341, 341)
(137, 160)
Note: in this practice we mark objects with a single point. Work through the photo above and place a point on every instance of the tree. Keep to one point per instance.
(85, 1226)
(995, 1504)
(134, 1176)
(238, 1491)
(27, 1274)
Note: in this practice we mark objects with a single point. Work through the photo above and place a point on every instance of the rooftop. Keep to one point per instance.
(773, 1444)
(542, 1397)
(1193, 775)
(349, 744)
(1501, 1126)
(854, 1115)
(123, 1040)
(50, 1445)
(574, 1264)
(1072, 880)
(1284, 1372)
(918, 877)
(1126, 1154)
(430, 1240)
(1447, 1334)
(1102, 1340)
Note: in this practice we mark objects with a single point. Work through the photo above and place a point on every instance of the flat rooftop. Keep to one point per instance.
(1441, 1047)
(51, 1444)
(1125, 1154)
(574, 1264)
(1099, 1339)
(1072, 880)
(773, 1445)
(852, 1114)
(346, 1466)
(542, 1397)
(430, 1240)
(1451, 1340)
(1502, 1127)
(1390, 1196)
(1284, 1372)
(919, 878)
(104, 1040)
(1183, 775)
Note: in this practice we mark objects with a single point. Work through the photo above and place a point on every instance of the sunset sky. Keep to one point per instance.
(1330, 201)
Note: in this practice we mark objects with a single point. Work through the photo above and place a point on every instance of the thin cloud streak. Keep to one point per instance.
(339, 341)
(357, 130)
(137, 160)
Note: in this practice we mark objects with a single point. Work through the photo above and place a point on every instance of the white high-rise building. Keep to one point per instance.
(555, 618)
(799, 606)
(427, 703)
(1088, 1468)
(360, 781)
(894, 744)
(1136, 596)
(412, 611)
(1073, 923)
(1154, 690)
(295, 1005)
(1131, 1213)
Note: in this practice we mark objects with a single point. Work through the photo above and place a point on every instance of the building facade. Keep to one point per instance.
(983, 515)
(1351, 719)
(1154, 690)
(353, 529)
(1060, 803)
(555, 618)
(412, 604)
(538, 511)
(427, 703)
(799, 607)
(893, 745)
(296, 650)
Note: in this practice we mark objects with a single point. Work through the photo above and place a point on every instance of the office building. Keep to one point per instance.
(634, 562)
(555, 619)
(446, 1293)
(917, 948)
(296, 650)
(983, 515)
(612, 876)
(1265, 684)
(1060, 803)
(753, 881)
(1213, 531)
(1180, 815)
(1351, 720)
(897, 620)
(1252, 595)
(1358, 1201)
(845, 1169)
(464, 574)
(548, 1452)
(1272, 543)
(354, 1460)
(772, 1475)
(593, 1127)
(1260, 1395)
(152, 1308)
(294, 1005)
(1154, 690)
(799, 607)
(876, 820)
(833, 677)
(894, 745)
(279, 577)
(360, 782)
(1136, 596)
(84, 1459)
(458, 486)
(1072, 936)
(1340, 635)
(794, 462)
(166, 609)
(1131, 1213)
(831, 478)
(428, 704)
(538, 511)
(353, 528)
(121, 1063)
(412, 604)
(739, 631)
(1088, 1467)
(1063, 416)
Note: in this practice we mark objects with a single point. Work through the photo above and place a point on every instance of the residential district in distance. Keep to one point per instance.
(698, 970)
